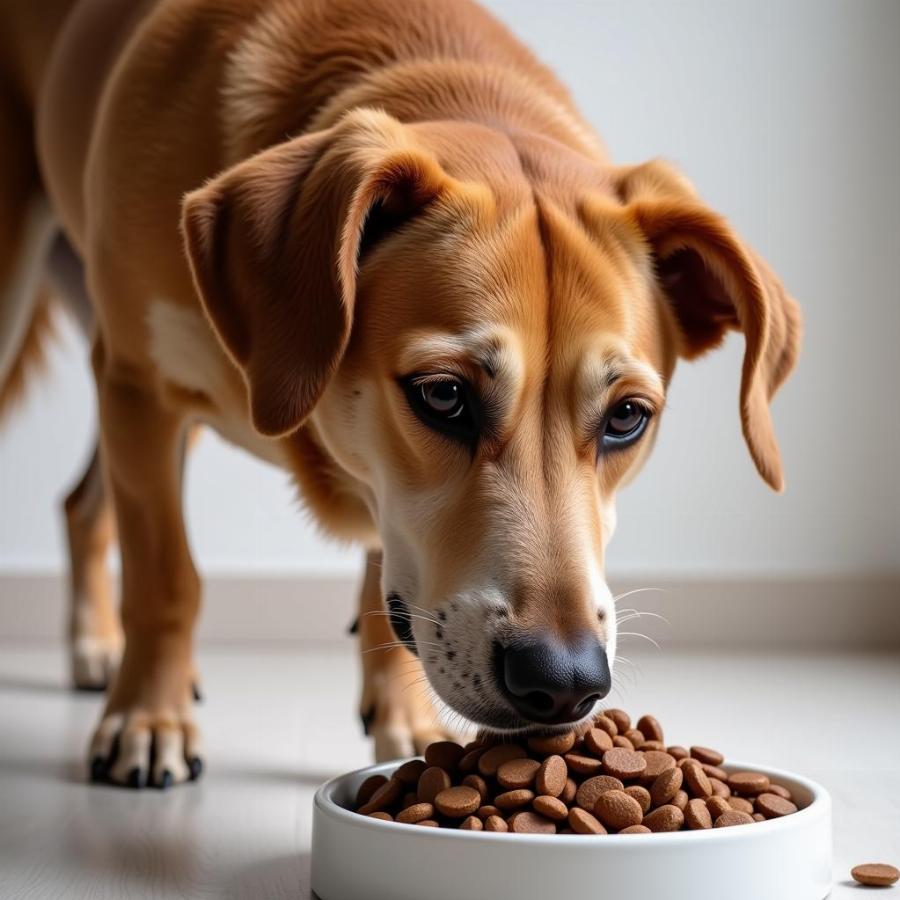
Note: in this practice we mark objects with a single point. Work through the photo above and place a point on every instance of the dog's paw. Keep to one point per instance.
(400, 719)
(137, 748)
(94, 661)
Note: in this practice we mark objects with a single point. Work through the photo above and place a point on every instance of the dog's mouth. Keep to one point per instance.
(401, 621)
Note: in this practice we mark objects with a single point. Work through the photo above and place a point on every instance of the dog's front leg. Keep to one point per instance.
(148, 721)
(396, 709)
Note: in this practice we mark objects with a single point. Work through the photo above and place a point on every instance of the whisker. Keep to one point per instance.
(638, 634)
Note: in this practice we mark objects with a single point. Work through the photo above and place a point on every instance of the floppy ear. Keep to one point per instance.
(274, 244)
(715, 283)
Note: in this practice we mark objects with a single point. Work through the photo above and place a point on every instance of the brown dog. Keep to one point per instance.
(415, 281)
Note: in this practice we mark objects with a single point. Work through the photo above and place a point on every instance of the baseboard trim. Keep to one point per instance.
(810, 612)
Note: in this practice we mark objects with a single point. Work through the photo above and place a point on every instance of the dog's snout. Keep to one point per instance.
(552, 682)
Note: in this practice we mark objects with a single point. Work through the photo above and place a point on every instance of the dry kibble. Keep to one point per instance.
(589, 790)
(531, 823)
(666, 818)
(623, 764)
(774, 807)
(517, 773)
(552, 744)
(444, 754)
(550, 807)
(583, 822)
(617, 810)
(416, 813)
(876, 875)
(666, 785)
(697, 816)
(458, 802)
(431, 782)
(708, 756)
(733, 817)
(608, 778)
(748, 784)
(551, 777)
(492, 759)
(642, 795)
(650, 728)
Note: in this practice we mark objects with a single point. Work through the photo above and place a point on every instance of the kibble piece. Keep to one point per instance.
(485, 812)
(550, 807)
(458, 802)
(696, 780)
(714, 772)
(653, 745)
(410, 798)
(642, 795)
(748, 783)
(636, 829)
(658, 762)
(416, 813)
(740, 804)
(551, 776)
(758, 817)
(431, 782)
(650, 728)
(677, 752)
(582, 764)
(444, 754)
(708, 756)
(492, 759)
(617, 810)
(773, 807)
(666, 818)
(620, 717)
(622, 742)
(597, 741)
(516, 799)
(472, 823)
(733, 817)
(780, 791)
(583, 822)
(720, 789)
(469, 763)
(386, 795)
(876, 875)
(368, 787)
(552, 744)
(637, 739)
(623, 764)
(517, 773)
(666, 785)
(680, 800)
(717, 806)
(697, 816)
(480, 785)
(569, 791)
(410, 772)
(527, 822)
(429, 823)
(385, 817)
(589, 790)
(605, 723)
(495, 823)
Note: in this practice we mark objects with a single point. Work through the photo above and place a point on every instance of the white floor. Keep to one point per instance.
(279, 721)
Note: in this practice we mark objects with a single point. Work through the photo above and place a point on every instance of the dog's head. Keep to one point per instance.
(479, 328)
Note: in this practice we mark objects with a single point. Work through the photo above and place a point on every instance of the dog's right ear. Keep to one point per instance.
(274, 243)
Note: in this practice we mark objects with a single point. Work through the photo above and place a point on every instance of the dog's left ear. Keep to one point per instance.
(715, 282)
(274, 244)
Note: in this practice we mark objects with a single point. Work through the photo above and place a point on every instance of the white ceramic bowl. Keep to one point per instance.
(358, 858)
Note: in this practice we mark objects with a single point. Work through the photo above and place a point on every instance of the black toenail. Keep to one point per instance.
(98, 769)
(166, 781)
(367, 718)
(135, 779)
(195, 690)
(196, 768)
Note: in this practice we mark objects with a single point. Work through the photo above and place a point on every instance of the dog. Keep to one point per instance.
(375, 243)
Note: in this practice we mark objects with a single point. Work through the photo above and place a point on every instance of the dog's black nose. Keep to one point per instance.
(552, 682)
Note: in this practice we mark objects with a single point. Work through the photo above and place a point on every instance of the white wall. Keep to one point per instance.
(785, 114)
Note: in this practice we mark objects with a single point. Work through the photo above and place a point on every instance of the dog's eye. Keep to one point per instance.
(445, 403)
(624, 424)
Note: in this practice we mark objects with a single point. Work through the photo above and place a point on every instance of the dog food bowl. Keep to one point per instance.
(359, 858)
